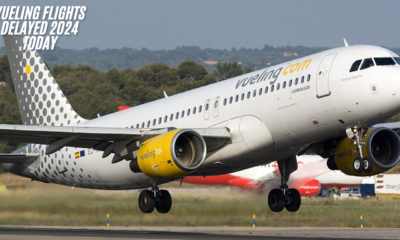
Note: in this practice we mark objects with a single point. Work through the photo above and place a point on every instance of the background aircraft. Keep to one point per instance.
(312, 176)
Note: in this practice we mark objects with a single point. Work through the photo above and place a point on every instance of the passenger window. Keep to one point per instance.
(242, 96)
(367, 63)
(384, 61)
(254, 93)
(296, 81)
(183, 114)
(216, 104)
(154, 122)
(284, 85)
(137, 125)
(165, 118)
(290, 83)
(266, 90)
(278, 86)
(272, 88)
(225, 101)
(355, 66)
(308, 77)
(160, 120)
(302, 79)
(188, 112)
(177, 115)
(142, 124)
(248, 94)
(236, 98)
(171, 117)
(148, 123)
(194, 110)
(207, 107)
(230, 100)
(260, 92)
(200, 108)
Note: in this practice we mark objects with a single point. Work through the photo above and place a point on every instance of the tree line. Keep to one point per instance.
(123, 58)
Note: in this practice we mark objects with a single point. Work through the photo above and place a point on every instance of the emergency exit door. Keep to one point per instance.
(323, 76)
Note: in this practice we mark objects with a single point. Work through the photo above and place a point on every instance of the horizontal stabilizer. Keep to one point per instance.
(18, 158)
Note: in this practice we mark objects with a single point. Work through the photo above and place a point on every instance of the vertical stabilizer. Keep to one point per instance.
(40, 99)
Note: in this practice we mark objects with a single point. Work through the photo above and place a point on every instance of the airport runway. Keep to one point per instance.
(209, 233)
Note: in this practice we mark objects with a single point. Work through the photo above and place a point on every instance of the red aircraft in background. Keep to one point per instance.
(312, 176)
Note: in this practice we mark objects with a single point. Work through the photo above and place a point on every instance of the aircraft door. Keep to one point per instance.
(216, 107)
(207, 109)
(323, 76)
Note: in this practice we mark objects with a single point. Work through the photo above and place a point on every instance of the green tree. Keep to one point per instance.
(191, 71)
(5, 72)
(229, 70)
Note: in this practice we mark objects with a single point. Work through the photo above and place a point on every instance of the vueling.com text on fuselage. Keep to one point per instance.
(273, 74)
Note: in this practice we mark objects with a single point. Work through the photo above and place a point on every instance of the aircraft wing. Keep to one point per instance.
(104, 139)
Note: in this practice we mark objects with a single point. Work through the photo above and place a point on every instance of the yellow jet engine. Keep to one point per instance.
(170, 155)
(380, 151)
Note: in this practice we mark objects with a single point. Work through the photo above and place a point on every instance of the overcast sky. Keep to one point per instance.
(222, 24)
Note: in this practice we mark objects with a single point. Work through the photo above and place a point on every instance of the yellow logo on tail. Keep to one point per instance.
(28, 69)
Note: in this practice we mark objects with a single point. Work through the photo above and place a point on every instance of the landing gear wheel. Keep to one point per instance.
(147, 201)
(358, 165)
(367, 165)
(294, 200)
(164, 202)
(276, 200)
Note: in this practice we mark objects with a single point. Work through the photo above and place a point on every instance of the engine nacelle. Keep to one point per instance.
(171, 155)
(382, 148)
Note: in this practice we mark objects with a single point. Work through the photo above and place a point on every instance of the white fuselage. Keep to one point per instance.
(264, 126)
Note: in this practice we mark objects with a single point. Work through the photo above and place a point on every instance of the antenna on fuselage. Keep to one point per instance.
(165, 94)
(345, 42)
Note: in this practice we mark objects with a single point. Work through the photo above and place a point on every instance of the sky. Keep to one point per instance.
(223, 24)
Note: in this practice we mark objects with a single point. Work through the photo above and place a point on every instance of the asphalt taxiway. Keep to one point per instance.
(209, 233)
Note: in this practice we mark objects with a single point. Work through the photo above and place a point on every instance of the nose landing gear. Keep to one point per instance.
(285, 197)
(361, 163)
(155, 198)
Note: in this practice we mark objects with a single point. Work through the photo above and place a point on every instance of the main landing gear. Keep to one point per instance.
(155, 198)
(360, 163)
(285, 197)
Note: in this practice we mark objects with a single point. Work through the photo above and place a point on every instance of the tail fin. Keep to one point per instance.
(40, 99)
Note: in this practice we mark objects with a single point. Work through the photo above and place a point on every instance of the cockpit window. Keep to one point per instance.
(355, 65)
(384, 61)
(367, 63)
(397, 59)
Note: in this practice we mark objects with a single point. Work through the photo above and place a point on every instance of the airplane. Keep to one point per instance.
(326, 102)
(312, 175)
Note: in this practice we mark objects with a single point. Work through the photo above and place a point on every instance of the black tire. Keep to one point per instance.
(358, 165)
(367, 165)
(164, 202)
(276, 200)
(295, 200)
(146, 201)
